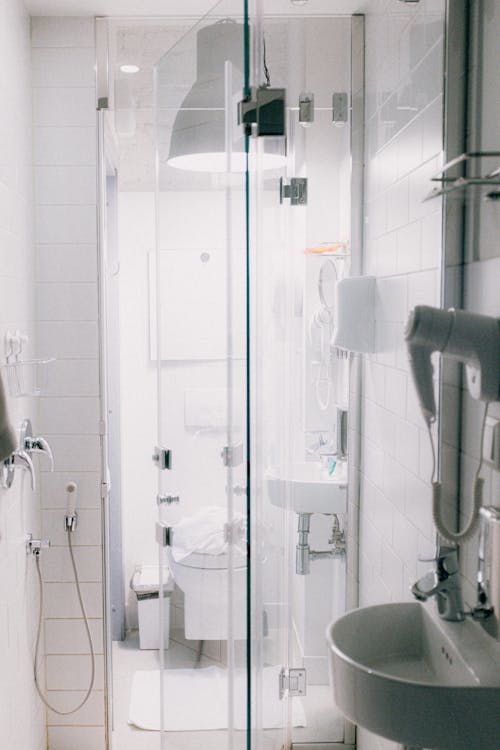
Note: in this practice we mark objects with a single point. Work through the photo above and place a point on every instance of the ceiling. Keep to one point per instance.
(141, 32)
(185, 8)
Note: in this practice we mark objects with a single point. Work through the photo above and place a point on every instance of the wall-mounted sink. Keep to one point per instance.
(307, 488)
(403, 673)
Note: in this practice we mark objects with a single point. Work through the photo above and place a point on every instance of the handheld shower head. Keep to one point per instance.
(71, 494)
(71, 517)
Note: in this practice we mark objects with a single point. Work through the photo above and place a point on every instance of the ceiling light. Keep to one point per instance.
(198, 141)
(129, 68)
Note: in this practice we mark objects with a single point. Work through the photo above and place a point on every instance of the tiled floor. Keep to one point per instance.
(324, 722)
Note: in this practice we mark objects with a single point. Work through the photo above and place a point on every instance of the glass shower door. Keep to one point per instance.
(199, 348)
(300, 248)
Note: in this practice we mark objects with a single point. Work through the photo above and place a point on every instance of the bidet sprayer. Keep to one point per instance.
(463, 336)
(71, 517)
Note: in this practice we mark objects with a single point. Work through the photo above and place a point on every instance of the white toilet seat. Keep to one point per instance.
(213, 592)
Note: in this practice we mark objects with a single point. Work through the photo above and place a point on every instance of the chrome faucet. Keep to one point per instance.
(31, 444)
(323, 446)
(444, 584)
(19, 459)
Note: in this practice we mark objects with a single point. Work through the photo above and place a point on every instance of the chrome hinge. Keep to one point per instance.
(168, 499)
(164, 534)
(306, 109)
(339, 108)
(296, 191)
(162, 458)
(232, 455)
(264, 108)
(292, 682)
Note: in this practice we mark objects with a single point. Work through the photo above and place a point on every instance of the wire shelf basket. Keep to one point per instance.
(27, 377)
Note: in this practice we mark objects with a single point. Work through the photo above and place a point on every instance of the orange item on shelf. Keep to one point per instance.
(320, 249)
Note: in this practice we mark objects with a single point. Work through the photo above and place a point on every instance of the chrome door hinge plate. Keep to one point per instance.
(292, 682)
(339, 108)
(162, 457)
(306, 109)
(264, 108)
(232, 455)
(164, 534)
(296, 191)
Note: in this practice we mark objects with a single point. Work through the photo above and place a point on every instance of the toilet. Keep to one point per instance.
(199, 560)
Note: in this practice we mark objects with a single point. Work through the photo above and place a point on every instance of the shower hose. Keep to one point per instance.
(39, 632)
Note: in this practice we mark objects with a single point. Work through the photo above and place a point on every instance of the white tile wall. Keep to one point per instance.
(76, 737)
(22, 716)
(63, 59)
(404, 47)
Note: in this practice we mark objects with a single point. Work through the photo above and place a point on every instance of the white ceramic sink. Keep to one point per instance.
(307, 488)
(403, 673)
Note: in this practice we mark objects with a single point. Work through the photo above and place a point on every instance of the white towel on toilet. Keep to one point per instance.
(205, 532)
(8, 442)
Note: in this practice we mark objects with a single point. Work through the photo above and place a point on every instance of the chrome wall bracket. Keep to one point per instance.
(35, 546)
(296, 191)
(292, 682)
(264, 109)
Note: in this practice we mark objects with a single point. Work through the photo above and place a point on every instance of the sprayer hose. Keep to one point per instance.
(39, 633)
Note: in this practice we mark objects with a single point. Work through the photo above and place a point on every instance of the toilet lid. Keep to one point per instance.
(212, 562)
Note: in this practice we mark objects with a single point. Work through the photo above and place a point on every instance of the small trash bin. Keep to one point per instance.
(145, 584)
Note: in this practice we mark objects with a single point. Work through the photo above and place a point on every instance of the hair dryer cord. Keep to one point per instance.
(477, 499)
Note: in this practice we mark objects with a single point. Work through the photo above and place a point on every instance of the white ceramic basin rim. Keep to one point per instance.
(306, 488)
(402, 673)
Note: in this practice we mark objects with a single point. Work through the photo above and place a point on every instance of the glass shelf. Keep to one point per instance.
(485, 185)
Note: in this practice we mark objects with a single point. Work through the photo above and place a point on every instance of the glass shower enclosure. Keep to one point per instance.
(248, 235)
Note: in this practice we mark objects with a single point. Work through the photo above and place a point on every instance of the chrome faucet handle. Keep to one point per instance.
(426, 586)
(322, 446)
(23, 460)
(446, 560)
(444, 584)
(17, 459)
(40, 445)
(32, 444)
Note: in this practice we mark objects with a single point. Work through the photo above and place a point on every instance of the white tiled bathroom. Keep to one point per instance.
(245, 502)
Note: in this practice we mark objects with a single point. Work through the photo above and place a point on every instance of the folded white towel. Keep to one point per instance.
(8, 442)
(205, 532)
